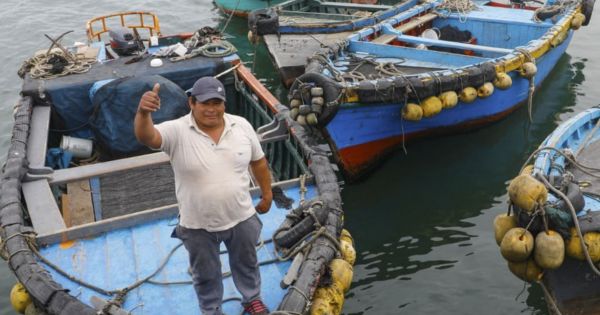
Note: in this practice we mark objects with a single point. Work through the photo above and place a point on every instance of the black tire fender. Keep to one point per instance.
(331, 93)
(263, 21)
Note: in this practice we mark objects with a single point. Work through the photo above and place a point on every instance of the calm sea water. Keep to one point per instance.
(422, 221)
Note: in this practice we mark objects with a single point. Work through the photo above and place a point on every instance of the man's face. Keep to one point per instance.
(208, 114)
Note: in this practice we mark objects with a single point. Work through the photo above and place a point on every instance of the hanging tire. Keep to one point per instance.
(263, 22)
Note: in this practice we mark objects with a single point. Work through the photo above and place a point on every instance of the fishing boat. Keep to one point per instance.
(295, 29)
(86, 213)
(561, 220)
(429, 70)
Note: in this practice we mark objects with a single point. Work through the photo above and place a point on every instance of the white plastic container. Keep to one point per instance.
(80, 148)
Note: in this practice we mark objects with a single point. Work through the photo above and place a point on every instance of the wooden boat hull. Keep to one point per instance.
(574, 287)
(377, 129)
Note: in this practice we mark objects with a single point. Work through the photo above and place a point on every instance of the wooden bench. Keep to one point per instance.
(356, 6)
(419, 20)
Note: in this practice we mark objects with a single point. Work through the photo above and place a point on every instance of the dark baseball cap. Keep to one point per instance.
(207, 88)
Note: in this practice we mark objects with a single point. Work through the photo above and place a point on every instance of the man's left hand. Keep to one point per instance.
(264, 205)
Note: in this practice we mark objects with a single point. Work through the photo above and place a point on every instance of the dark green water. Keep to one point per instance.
(422, 221)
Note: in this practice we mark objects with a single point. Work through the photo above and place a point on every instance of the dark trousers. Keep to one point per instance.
(203, 248)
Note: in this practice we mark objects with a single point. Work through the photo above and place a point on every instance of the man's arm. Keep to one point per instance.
(260, 169)
(143, 124)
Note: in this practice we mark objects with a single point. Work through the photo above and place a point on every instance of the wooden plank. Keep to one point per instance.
(416, 22)
(99, 227)
(79, 203)
(42, 207)
(38, 136)
(356, 6)
(87, 171)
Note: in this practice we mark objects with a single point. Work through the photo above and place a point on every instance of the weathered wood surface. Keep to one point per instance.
(78, 209)
(42, 207)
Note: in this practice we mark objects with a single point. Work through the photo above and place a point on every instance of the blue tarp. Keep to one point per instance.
(116, 103)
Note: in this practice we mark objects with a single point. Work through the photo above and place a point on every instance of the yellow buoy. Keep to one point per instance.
(321, 307)
(549, 251)
(333, 294)
(449, 99)
(526, 270)
(502, 81)
(342, 273)
(431, 106)
(346, 236)
(295, 103)
(311, 119)
(468, 95)
(527, 192)
(253, 39)
(294, 113)
(503, 223)
(527, 169)
(528, 70)
(412, 112)
(592, 242)
(516, 245)
(485, 90)
(577, 21)
(301, 119)
(19, 298)
(348, 251)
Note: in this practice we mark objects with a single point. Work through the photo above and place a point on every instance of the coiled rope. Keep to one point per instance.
(55, 63)
(462, 7)
(218, 49)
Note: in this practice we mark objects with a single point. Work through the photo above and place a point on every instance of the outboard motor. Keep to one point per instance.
(125, 41)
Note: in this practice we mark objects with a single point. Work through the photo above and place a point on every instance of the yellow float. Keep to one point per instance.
(527, 193)
(449, 99)
(502, 81)
(549, 251)
(503, 223)
(516, 245)
(412, 112)
(468, 95)
(19, 298)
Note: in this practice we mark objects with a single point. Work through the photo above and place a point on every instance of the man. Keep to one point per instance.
(210, 152)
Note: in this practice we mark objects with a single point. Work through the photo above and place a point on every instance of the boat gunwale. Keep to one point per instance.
(506, 63)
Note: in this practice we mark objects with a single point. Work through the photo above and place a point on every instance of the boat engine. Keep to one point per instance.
(125, 41)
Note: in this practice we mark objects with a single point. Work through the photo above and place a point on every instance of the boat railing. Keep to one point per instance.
(144, 20)
(258, 106)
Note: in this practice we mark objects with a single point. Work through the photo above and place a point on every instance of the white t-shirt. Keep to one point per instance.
(211, 179)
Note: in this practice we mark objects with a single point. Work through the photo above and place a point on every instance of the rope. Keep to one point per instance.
(213, 50)
(230, 16)
(575, 220)
(585, 169)
(55, 63)
(462, 7)
(303, 243)
(549, 298)
(303, 189)
(531, 59)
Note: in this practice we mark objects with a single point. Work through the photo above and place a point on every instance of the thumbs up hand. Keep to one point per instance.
(150, 101)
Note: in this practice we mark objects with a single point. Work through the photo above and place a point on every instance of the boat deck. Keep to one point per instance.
(121, 257)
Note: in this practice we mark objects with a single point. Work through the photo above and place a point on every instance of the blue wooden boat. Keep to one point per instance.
(567, 164)
(92, 235)
(295, 29)
(430, 70)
